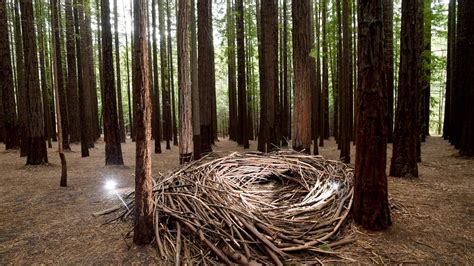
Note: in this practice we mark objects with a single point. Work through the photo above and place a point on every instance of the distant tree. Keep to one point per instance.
(119, 78)
(37, 153)
(171, 74)
(325, 78)
(72, 91)
(285, 123)
(185, 112)
(165, 80)
(449, 68)
(231, 71)
(113, 149)
(156, 92)
(59, 76)
(301, 60)
(21, 91)
(241, 84)
(371, 209)
(316, 82)
(404, 158)
(143, 229)
(84, 111)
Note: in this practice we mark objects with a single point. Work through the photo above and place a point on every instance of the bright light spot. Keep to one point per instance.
(335, 186)
(110, 185)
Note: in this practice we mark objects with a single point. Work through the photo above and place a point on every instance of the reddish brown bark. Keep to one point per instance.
(370, 208)
(143, 230)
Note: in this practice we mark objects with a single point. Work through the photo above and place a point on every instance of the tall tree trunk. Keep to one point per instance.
(449, 67)
(37, 153)
(388, 64)
(205, 62)
(171, 74)
(231, 71)
(371, 209)
(92, 80)
(55, 11)
(241, 86)
(426, 89)
(316, 96)
(404, 158)
(185, 114)
(156, 91)
(72, 92)
(83, 102)
(194, 84)
(143, 230)
(345, 87)
(6, 83)
(286, 128)
(301, 60)
(269, 39)
(165, 80)
(130, 120)
(113, 149)
(464, 85)
(21, 92)
(325, 82)
(119, 79)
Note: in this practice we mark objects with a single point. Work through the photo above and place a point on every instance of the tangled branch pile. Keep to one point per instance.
(252, 208)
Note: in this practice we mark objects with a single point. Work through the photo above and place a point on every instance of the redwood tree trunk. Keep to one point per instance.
(194, 84)
(113, 149)
(388, 63)
(143, 230)
(371, 209)
(301, 61)
(205, 62)
(37, 153)
(6, 83)
(231, 71)
(404, 158)
(325, 82)
(165, 81)
(119, 79)
(156, 116)
(464, 90)
(185, 107)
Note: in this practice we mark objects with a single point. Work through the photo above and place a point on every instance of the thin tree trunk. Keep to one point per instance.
(231, 71)
(156, 92)
(119, 78)
(345, 87)
(194, 84)
(113, 149)
(130, 120)
(449, 67)
(185, 114)
(165, 80)
(171, 74)
(325, 82)
(83, 110)
(59, 72)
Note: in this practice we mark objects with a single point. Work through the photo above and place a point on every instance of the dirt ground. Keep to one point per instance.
(41, 223)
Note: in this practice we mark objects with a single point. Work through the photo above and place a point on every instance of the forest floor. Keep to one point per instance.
(41, 223)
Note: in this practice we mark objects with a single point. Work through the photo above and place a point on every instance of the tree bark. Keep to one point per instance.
(449, 67)
(404, 158)
(165, 80)
(345, 87)
(171, 74)
(194, 84)
(113, 149)
(371, 209)
(72, 91)
(231, 71)
(37, 153)
(6, 83)
(301, 60)
(324, 116)
(464, 84)
(119, 79)
(388, 64)
(205, 62)
(286, 128)
(185, 99)
(143, 230)
(56, 28)
(156, 91)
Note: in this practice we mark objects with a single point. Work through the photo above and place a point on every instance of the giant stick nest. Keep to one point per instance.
(251, 208)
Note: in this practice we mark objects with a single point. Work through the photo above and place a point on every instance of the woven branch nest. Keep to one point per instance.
(251, 208)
